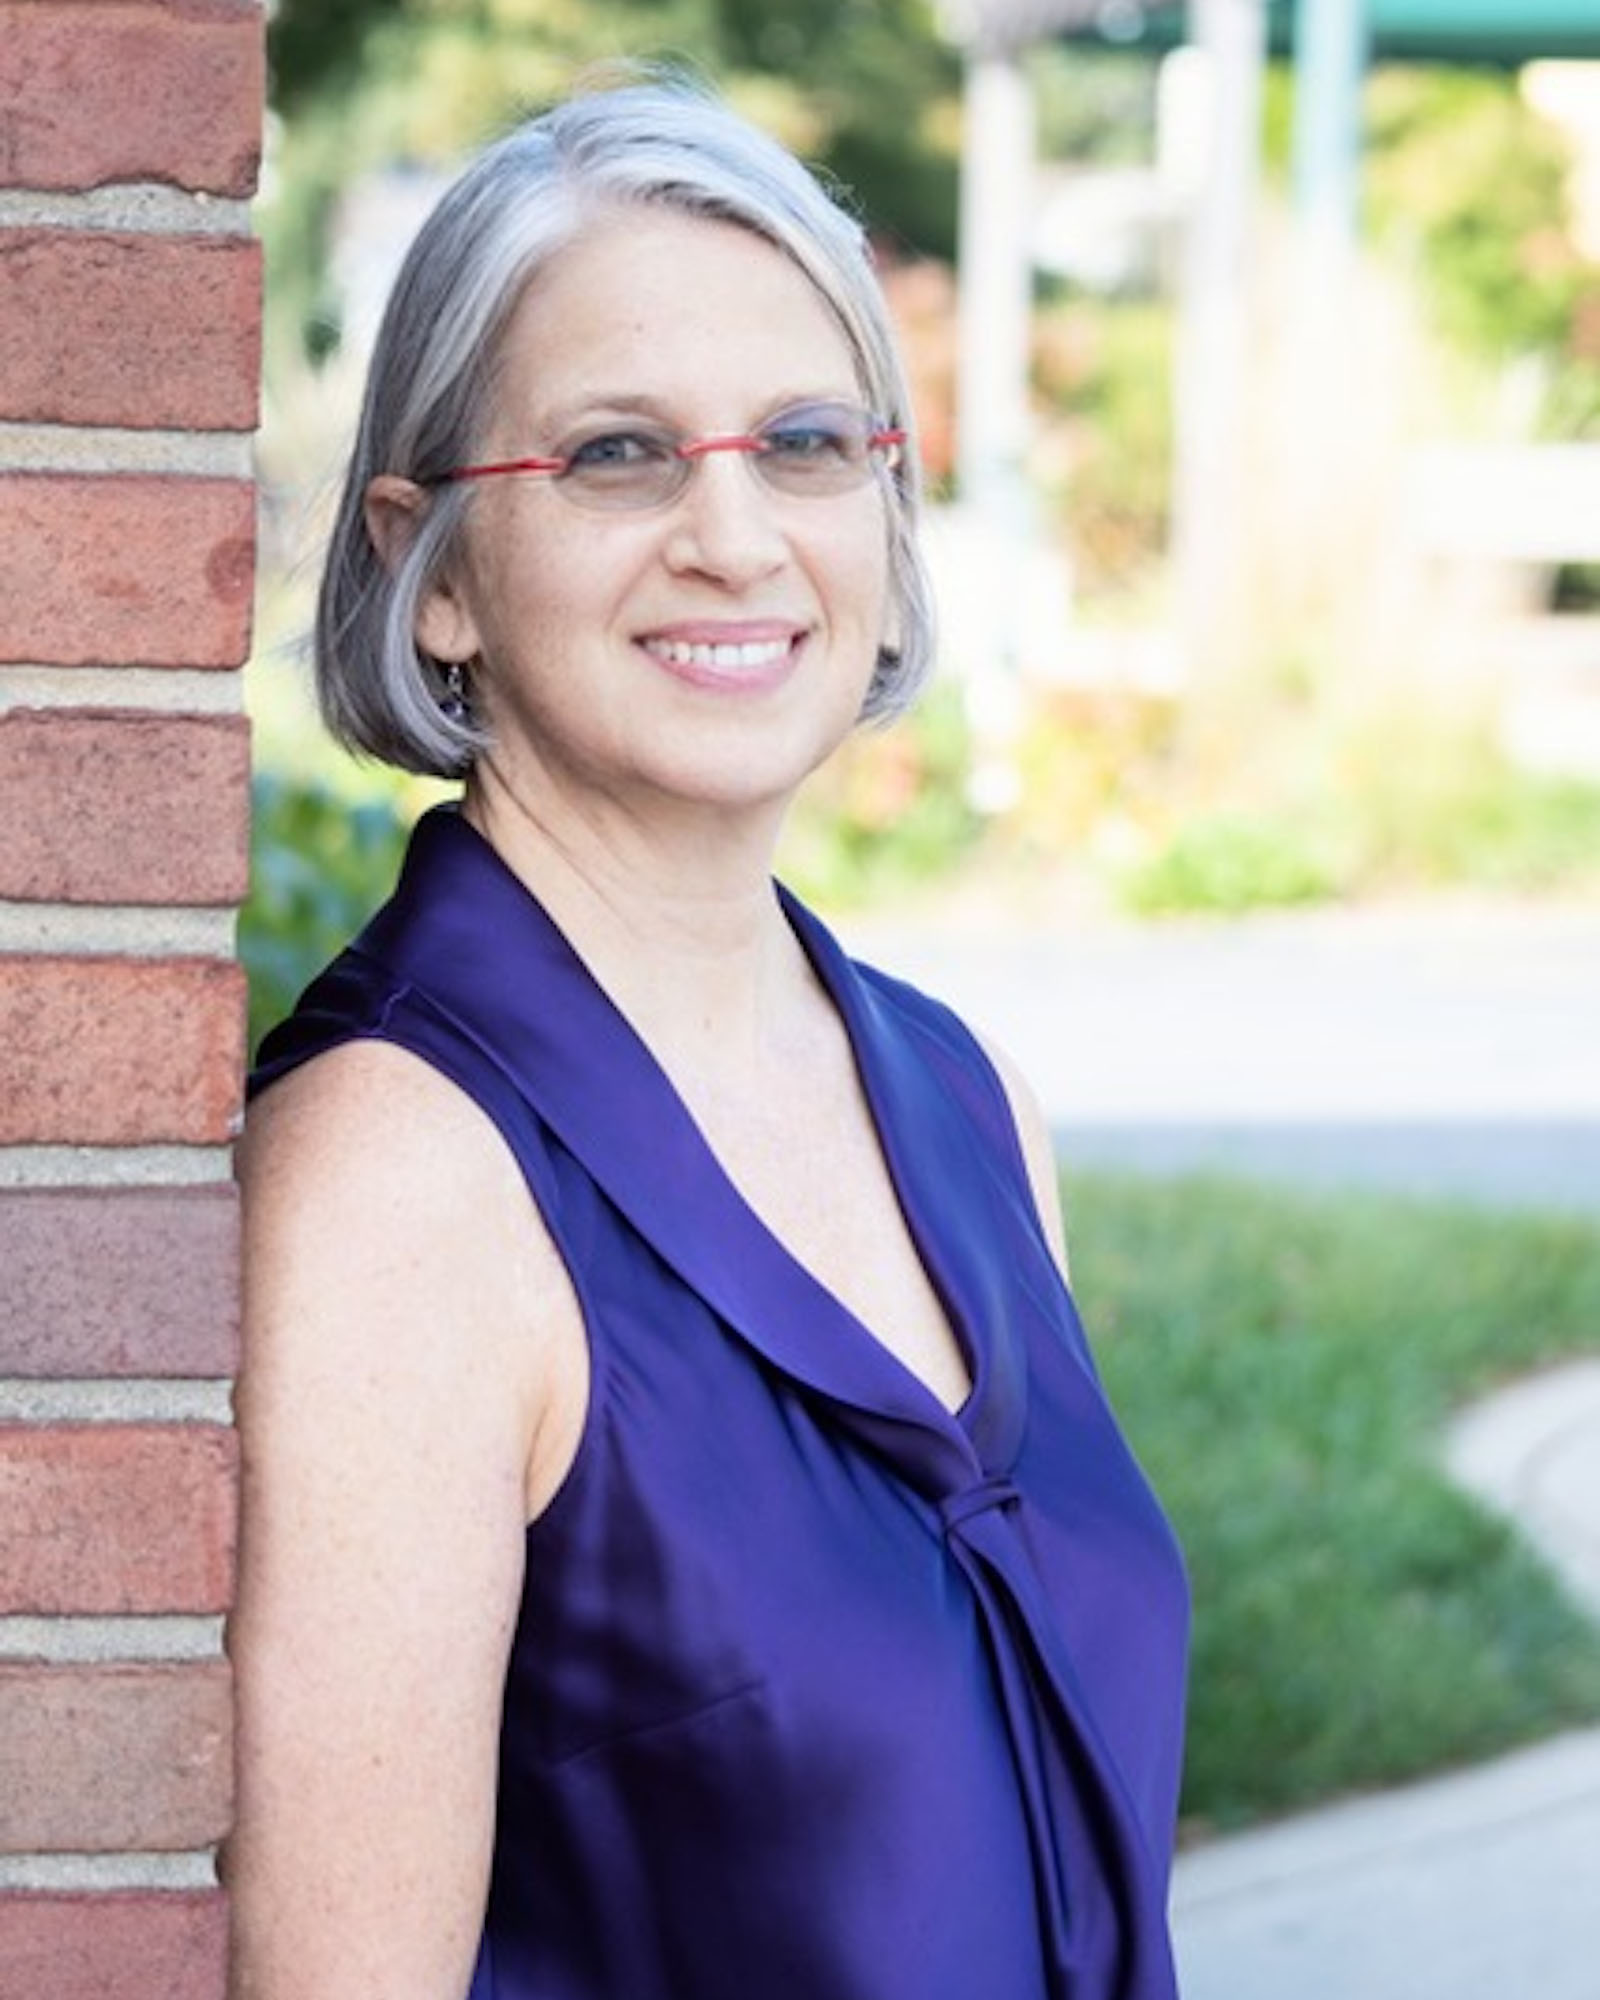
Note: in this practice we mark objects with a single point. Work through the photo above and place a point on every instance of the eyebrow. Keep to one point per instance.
(601, 404)
(596, 406)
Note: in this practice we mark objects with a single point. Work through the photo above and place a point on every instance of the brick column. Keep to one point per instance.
(129, 355)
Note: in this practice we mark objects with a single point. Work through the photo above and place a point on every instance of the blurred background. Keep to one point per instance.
(1257, 359)
(1256, 350)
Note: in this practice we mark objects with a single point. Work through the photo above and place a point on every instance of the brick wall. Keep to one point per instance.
(129, 351)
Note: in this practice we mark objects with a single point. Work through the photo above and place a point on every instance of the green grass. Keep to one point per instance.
(1286, 1367)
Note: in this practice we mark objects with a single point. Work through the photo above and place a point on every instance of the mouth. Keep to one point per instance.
(748, 655)
(746, 662)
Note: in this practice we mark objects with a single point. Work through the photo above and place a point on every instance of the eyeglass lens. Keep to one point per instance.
(818, 448)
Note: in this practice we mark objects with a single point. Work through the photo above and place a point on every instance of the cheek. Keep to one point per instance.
(857, 565)
(530, 588)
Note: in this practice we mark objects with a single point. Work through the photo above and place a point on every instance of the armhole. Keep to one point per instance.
(967, 1061)
(975, 1072)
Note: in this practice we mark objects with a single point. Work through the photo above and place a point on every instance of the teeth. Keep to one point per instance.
(755, 653)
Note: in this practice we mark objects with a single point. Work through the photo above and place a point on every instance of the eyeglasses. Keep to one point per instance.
(814, 449)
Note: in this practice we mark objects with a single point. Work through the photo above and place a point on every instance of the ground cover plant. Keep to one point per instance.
(1286, 1366)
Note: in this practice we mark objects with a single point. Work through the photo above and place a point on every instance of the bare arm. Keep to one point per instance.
(407, 1397)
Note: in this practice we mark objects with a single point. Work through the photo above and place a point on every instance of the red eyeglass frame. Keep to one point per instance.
(688, 449)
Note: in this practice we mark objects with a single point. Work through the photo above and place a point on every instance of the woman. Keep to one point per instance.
(620, 1618)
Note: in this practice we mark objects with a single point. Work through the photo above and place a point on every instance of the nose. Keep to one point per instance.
(724, 523)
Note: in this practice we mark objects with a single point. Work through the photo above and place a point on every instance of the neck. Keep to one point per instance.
(678, 920)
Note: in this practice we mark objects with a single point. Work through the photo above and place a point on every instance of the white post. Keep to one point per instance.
(993, 540)
(1324, 326)
(1228, 57)
(1330, 63)
(996, 280)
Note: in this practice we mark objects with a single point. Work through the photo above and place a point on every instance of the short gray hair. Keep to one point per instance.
(663, 143)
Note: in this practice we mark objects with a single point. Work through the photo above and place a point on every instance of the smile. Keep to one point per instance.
(746, 656)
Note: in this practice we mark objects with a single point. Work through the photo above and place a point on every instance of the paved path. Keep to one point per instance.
(1533, 1453)
(1437, 1050)
(1480, 1886)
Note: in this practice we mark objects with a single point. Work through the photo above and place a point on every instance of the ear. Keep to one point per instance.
(394, 510)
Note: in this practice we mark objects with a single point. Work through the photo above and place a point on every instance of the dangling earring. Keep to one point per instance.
(453, 702)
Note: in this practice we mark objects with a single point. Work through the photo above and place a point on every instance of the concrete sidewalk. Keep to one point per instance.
(1438, 1050)
(1480, 1886)
(1533, 1453)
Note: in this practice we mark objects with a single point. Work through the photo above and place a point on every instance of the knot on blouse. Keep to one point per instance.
(993, 1492)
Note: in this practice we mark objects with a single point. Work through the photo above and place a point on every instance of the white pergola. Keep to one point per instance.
(1229, 41)
(1227, 45)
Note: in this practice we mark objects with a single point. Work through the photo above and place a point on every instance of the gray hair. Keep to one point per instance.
(667, 144)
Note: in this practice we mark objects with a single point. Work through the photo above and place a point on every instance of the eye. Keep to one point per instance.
(815, 436)
(612, 452)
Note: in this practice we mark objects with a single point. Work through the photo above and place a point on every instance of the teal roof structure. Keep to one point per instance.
(1506, 33)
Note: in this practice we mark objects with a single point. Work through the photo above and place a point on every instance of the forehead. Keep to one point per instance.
(652, 303)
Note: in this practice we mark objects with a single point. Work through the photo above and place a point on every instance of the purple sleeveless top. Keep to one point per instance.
(818, 1691)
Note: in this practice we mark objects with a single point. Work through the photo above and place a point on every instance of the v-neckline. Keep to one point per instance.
(469, 934)
(828, 968)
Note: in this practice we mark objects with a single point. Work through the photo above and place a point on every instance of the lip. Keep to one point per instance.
(747, 657)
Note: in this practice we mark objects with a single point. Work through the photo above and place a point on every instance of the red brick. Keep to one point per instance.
(120, 1051)
(151, 1945)
(100, 1760)
(102, 807)
(125, 570)
(116, 1520)
(99, 93)
(165, 331)
(119, 1281)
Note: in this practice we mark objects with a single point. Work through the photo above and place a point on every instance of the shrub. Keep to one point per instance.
(1227, 863)
(320, 866)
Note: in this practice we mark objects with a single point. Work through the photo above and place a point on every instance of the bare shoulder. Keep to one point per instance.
(363, 1118)
(388, 1228)
(369, 1152)
(1038, 1148)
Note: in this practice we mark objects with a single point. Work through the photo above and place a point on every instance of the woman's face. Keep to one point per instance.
(714, 648)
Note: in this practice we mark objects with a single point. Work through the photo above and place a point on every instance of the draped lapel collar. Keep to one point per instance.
(950, 1199)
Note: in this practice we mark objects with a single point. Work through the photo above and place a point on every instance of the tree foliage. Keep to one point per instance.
(311, 43)
(863, 88)
(1469, 184)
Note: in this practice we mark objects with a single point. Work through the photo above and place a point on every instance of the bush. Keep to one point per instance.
(1454, 809)
(1467, 183)
(320, 866)
(1404, 803)
(1102, 373)
(1228, 863)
